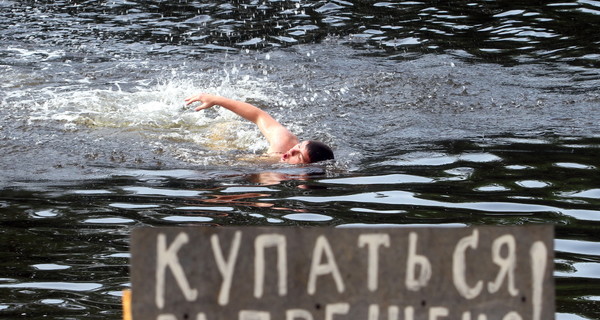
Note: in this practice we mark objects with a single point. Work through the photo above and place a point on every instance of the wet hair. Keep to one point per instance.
(318, 151)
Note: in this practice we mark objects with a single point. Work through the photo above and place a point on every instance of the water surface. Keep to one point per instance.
(440, 114)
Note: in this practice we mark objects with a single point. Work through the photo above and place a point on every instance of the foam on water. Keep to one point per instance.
(362, 108)
(155, 110)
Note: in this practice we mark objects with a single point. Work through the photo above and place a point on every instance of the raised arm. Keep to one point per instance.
(279, 137)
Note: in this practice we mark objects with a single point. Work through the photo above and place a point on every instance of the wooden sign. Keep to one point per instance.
(251, 273)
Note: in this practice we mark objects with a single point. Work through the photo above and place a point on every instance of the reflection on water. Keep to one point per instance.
(490, 181)
(496, 30)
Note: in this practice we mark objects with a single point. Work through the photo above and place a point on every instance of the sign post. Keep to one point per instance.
(264, 273)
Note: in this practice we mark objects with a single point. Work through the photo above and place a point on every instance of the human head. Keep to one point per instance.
(307, 152)
(318, 151)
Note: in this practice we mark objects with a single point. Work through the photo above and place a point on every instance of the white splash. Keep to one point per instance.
(158, 112)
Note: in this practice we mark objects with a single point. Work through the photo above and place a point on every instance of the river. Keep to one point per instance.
(440, 114)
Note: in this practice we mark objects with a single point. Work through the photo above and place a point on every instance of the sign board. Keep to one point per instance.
(264, 273)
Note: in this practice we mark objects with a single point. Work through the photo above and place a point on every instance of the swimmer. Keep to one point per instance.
(282, 143)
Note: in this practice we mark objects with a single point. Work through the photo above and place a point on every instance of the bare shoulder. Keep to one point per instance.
(281, 140)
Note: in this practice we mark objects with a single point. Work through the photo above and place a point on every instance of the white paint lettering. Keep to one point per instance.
(438, 312)
(393, 312)
(167, 257)
(168, 316)
(512, 316)
(467, 316)
(409, 313)
(413, 282)
(329, 267)
(507, 264)
(336, 308)
(226, 268)
(459, 266)
(201, 316)
(254, 315)
(373, 242)
(298, 314)
(260, 243)
(538, 255)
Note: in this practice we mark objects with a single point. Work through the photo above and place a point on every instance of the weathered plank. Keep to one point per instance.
(248, 273)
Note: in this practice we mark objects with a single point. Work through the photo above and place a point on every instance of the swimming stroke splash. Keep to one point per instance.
(282, 142)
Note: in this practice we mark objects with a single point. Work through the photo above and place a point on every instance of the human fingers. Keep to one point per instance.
(192, 99)
(203, 106)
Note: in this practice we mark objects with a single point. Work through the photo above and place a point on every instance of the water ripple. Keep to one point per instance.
(61, 286)
(181, 27)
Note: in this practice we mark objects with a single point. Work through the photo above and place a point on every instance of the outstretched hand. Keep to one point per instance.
(206, 100)
(279, 137)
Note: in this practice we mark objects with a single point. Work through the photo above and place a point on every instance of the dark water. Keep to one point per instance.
(441, 114)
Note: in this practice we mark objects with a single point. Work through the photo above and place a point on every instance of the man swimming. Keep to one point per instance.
(282, 142)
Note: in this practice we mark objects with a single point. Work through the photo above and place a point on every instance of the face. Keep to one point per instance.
(296, 155)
